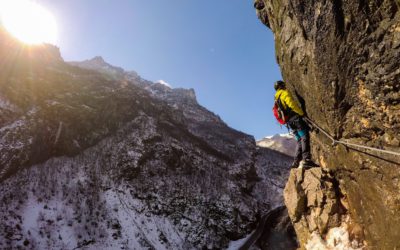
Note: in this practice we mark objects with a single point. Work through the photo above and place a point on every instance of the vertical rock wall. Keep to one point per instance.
(341, 59)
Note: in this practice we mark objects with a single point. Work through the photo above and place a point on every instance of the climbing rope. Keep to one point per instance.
(335, 142)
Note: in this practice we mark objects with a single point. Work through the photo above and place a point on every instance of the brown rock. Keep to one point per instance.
(341, 59)
(313, 202)
(294, 195)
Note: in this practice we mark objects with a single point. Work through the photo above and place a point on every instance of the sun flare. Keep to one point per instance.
(28, 21)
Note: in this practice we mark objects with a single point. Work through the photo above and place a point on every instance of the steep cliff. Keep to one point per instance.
(340, 58)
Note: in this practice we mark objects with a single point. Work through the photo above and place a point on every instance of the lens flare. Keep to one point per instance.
(28, 21)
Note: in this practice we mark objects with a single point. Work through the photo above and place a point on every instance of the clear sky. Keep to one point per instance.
(217, 47)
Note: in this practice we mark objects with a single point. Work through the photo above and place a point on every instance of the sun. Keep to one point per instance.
(28, 21)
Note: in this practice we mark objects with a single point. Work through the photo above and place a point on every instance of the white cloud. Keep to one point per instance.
(164, 83)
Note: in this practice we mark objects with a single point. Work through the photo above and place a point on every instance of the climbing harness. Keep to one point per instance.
(335, 142)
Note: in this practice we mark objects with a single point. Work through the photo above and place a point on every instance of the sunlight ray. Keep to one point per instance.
(28, 21)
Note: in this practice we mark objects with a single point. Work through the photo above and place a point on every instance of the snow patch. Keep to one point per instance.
(14, 125)
(33, 111)
(287, 135)
(5, 104)
(164, 83)
(138, 227)
(31, 213)
(284, 143)
(235, 245)
(336, 239)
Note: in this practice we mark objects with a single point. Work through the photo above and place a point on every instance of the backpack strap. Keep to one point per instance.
(287, 111)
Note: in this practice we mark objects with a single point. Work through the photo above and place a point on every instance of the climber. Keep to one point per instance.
(289, 113)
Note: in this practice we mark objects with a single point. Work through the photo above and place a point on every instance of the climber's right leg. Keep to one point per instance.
(298, 154)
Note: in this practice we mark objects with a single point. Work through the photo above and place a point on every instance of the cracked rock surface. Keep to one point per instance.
(340, 59)
(314, 202)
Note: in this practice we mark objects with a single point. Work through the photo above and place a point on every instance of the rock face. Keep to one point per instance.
(98, 64)
(97, 159)
(340, 58)
(317, 208)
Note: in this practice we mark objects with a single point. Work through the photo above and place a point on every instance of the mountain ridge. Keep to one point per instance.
(89, 160)
(284, 143)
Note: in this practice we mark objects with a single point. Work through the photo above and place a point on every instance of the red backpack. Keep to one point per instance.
(279, 111)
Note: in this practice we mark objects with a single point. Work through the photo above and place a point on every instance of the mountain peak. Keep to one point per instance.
(162, 82)
(98, 59)
(98, 63)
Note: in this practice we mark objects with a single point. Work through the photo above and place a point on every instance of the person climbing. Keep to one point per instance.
(288, 112)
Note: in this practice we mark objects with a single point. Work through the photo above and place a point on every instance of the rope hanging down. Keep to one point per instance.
(335, 142)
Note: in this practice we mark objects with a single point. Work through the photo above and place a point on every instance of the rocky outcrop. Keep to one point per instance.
(340, 58)
(317, 207)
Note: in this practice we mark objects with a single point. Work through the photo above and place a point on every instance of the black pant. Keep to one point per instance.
(301, 132)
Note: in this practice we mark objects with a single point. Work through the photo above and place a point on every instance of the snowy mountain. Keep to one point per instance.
(284, 143)
(92, 161)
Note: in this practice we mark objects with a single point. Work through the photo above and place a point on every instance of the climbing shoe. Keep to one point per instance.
(295, 164)
(307, 164)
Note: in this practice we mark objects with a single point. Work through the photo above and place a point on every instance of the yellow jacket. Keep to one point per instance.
(287, 101)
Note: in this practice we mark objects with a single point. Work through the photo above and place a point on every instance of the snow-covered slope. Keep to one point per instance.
(284, 143)
(103, 163)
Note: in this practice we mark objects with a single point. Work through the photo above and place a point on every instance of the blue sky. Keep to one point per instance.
(217, 47)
